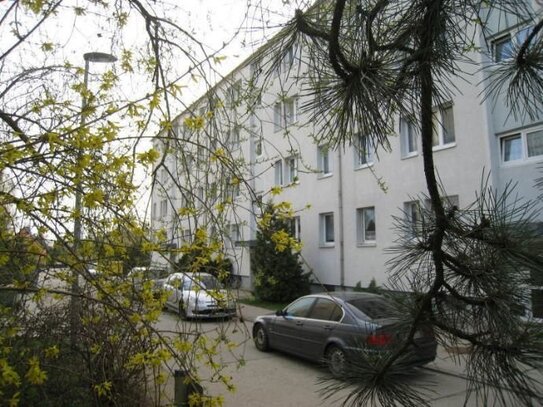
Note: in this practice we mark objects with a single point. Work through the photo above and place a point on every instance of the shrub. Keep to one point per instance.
(275, 262)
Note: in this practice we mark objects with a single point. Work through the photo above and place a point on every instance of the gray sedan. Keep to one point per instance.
(337, 327)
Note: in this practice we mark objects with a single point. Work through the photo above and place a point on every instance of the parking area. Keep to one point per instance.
(274, 379)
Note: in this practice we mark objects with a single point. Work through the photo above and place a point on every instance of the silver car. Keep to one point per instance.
(338, 328)
(198, 295)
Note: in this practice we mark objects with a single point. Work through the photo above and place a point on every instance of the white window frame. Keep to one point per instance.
(234, 137)
(234, 233)
(277, 117)
(324, 224)
(253, 117)
(254, 69)
(324, 161)
(295, 228)
(290, 110)
(523, 136)
(278, 172)
(288, 57)
(514, 38)
(233, 94)
(186, 236)
(409, 137)
(163, 208)
(199, 197)
(362, 236)
(533, 288)
(234, 189)
(413, 208)
(291, 170)
(285, 113)
(258, 146)
(363, 151)
(438, 127)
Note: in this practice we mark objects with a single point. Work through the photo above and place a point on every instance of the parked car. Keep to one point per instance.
(140, 274)
(337, 327)
(198, 295)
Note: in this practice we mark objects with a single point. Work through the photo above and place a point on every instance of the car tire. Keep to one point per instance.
(182, 310)
(336, 360)
(260, 338)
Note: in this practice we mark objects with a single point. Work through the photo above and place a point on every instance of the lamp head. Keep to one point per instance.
(99, 57)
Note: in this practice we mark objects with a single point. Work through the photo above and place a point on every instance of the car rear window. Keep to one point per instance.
(374, 308)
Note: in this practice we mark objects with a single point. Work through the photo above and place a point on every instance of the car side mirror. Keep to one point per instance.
(280, 313)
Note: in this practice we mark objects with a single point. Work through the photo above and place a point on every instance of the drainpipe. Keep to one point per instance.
(340, 222)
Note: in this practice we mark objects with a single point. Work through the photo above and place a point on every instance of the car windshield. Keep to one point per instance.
(158, 273)
(374, 308)
(208, 282)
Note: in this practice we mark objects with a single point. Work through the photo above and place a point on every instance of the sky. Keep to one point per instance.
(235, 27)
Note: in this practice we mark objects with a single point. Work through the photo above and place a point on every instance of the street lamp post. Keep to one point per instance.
(98, 57)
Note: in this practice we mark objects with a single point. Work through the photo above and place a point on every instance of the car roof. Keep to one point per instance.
(189, 275)
(346, 295)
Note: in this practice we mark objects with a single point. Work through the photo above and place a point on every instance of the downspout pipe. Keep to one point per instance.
(341, 221)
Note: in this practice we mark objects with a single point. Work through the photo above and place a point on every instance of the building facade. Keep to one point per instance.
(251, 139)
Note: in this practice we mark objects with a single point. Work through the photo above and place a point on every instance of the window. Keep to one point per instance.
(163, 207)
(153, 211)
(278, 169)
(285, 113)
(291, 167)
(326, 310)
(504, 48)
(163, 176)
(408, 137)
(213, 142)
(327, 229)
(290, 107)
(186, 236)
(535, 143)
(233, 233)
(449, 202)
(525, 145)
(258, 146)
(253, 117)
(443, 126)
(201, 153)
(277, 117)
(287, 59)
(363, 151)
(295, 228)
(536, 295)
(300, 308)
(233, 189)
(233, 93)
(199, 197)
(254, 69)
(323, 161)
(511, 147)
(413, 217)
(366, 225)
(233, 137)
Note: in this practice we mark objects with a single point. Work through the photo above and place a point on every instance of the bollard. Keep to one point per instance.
(184, 386)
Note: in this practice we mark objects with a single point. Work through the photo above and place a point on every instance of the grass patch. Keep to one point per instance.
(272, 306)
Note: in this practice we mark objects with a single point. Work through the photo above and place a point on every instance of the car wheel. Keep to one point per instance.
(260, 338)
(336, 360)
(182, 310)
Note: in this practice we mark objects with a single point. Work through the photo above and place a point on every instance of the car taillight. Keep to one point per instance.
(379, 339)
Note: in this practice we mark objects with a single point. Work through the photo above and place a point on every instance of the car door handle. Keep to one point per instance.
(299, 323)
(327, 327)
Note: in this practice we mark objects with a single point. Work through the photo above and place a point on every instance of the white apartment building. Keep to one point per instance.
(346, 199)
